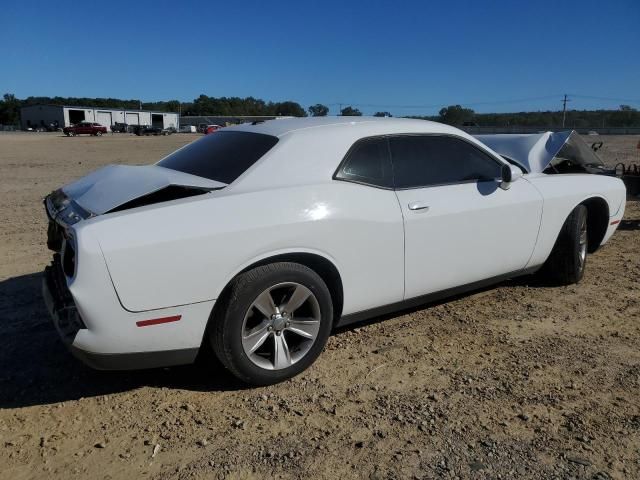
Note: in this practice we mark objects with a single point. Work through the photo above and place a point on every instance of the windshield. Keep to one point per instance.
(222, 157)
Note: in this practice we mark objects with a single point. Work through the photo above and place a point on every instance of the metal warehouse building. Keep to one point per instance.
(35, 116)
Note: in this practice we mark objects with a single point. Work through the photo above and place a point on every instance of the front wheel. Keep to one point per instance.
(99, 134)
(568, 258)
(272, 322)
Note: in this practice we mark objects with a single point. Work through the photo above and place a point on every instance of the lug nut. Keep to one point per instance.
(269, 328)
(287, 324)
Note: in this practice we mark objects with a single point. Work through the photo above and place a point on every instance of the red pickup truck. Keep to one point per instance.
(87, 128)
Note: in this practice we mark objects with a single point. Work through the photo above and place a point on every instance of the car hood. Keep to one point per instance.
(115, 185)
(535, 152)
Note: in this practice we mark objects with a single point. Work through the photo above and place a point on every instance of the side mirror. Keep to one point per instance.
(510, 173)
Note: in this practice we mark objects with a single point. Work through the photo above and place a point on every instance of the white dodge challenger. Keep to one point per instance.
(261, 238)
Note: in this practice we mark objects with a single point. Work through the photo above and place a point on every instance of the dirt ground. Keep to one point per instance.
(517, 381)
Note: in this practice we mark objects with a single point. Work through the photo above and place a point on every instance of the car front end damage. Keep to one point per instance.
(86, 311)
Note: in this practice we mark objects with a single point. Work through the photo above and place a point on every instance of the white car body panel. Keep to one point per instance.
(443, 243)
(561, 194)
(113, 330)
(174, 258)
(346, 223)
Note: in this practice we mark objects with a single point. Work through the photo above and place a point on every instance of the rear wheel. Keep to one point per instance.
(99, 134)
(568, 258)
(272, 323)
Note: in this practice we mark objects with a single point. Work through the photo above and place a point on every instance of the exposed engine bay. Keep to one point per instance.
(548, 152)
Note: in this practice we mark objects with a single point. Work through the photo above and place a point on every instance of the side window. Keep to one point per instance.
(368, 162)
(422, 161)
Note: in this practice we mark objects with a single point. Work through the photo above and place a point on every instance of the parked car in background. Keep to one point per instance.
(85, 128)
(211, 129)
(49, 127)
(152, 262)
(188, 129)
(151, 130)
(202, 127)
(119, 127)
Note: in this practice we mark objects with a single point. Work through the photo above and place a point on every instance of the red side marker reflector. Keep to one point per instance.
(158, 321)
(615, 222)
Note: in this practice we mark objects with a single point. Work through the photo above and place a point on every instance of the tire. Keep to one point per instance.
(67, 134)
(566, 264)
(254, 336)
(98, 134)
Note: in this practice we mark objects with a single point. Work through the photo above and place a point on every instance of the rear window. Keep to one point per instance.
(222, 157)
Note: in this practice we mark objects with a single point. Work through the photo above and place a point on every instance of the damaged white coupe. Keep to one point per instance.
(260, 239)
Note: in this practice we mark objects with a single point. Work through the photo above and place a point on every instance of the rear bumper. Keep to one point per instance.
(118, 354)
(135, 361)
(59, 302)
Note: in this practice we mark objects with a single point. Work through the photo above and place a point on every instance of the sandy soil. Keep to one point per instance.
(517, 381)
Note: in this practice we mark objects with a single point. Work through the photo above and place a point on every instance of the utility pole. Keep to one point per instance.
(564, 109)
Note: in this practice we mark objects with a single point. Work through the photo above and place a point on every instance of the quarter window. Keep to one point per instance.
(368, 162)
(422, 161)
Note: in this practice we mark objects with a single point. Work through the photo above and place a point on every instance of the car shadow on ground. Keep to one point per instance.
(629, 225)
(37, 369)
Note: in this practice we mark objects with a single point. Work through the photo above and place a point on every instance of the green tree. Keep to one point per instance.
(456, 115)
(289, 108)
(318, 110)
(350, 112)
(9, 109)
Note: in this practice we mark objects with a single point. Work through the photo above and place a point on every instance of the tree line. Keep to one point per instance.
(624, 116)
(204, 105)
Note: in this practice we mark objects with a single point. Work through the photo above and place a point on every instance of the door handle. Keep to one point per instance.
(418, 206)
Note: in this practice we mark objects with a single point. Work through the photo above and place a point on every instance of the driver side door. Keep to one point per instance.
(460, 226)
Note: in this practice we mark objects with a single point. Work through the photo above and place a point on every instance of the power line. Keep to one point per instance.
(563, 97)
(630, 100)
(436, 105)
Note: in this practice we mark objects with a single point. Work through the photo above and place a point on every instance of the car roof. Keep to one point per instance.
(282, 127)
(310, 149)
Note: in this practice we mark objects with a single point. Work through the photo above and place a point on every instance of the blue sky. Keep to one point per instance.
(406, 57)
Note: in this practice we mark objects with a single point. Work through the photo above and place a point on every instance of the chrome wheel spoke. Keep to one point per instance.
(582, 255)
(305, 327)
(255, 338)
(281, 354)
(296, 300)
(273, 337)
(264, 303)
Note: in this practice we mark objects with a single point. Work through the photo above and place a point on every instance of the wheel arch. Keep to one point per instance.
(597, 221)
(320, 264)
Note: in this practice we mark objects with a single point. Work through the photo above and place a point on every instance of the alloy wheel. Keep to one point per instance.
(281, 326)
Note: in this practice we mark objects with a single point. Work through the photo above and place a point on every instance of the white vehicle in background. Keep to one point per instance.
(188, 129)
(262, 238)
